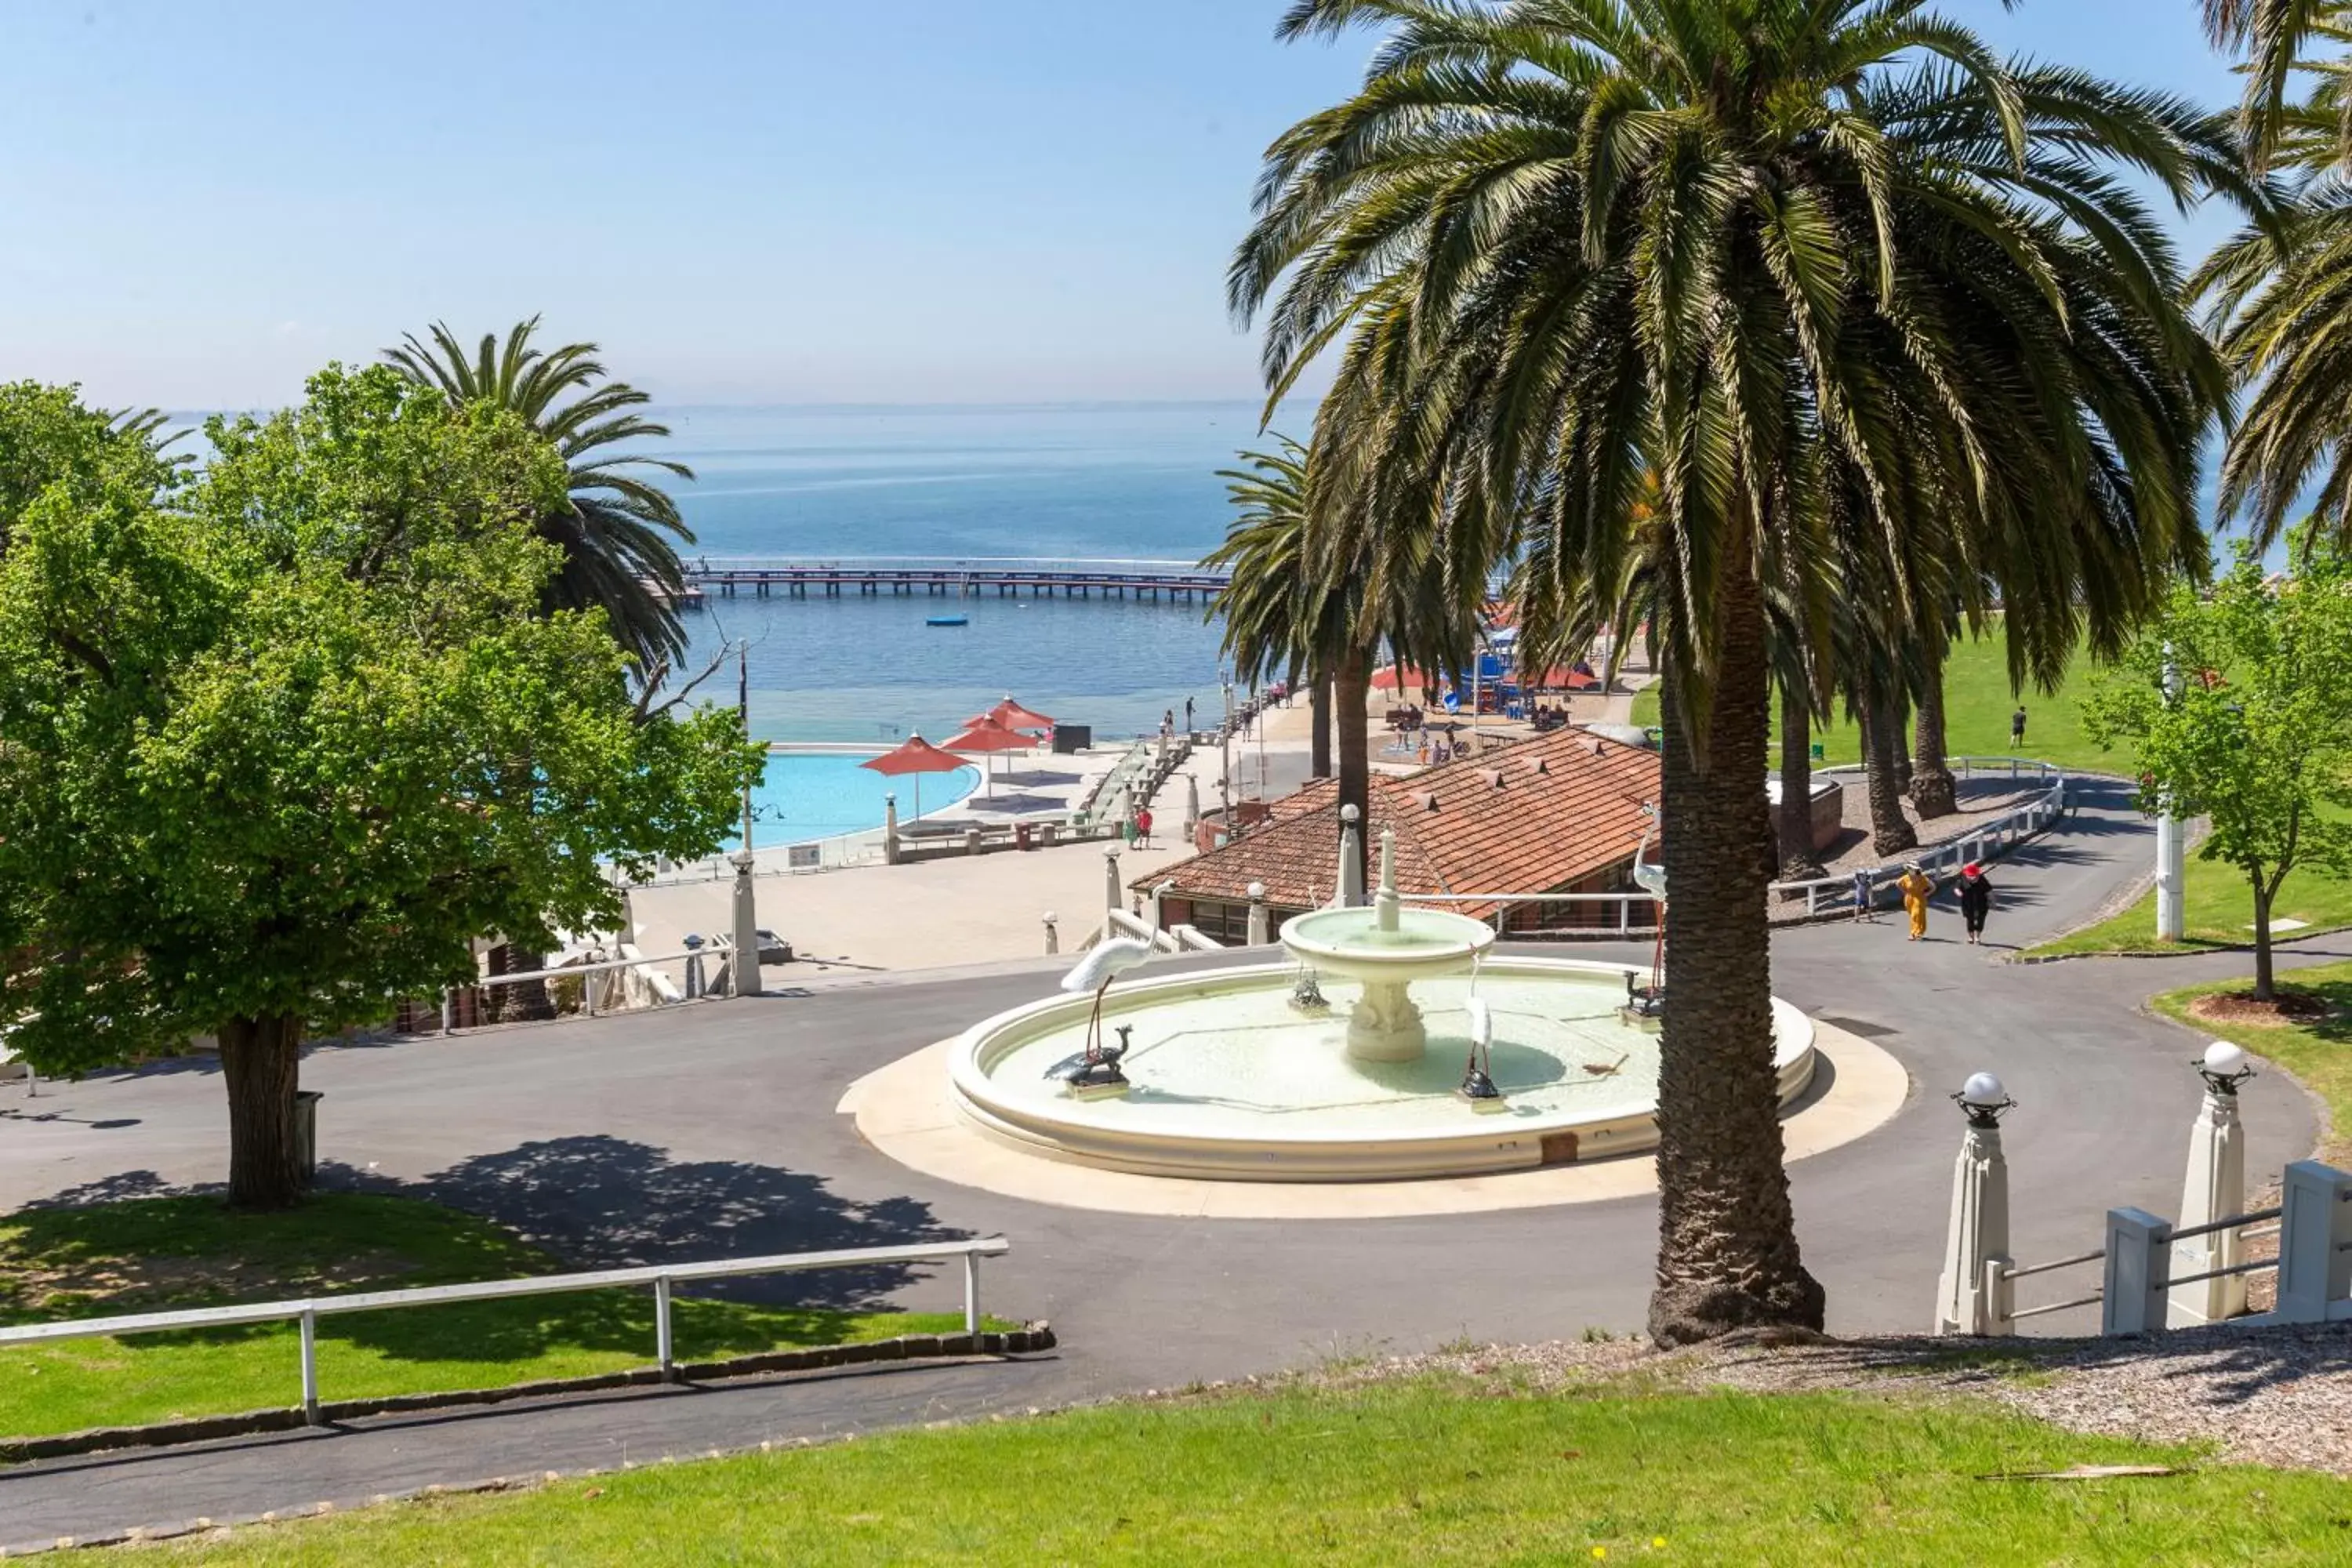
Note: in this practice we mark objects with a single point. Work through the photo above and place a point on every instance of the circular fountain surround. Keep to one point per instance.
(1229, 1080)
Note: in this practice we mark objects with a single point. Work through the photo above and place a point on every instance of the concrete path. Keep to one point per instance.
(713, 1131)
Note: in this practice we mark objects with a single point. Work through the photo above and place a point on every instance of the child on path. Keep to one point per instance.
(2016, 729)
(1143, 826)
(1862, 909)
(1975, 901)
(1916, 887)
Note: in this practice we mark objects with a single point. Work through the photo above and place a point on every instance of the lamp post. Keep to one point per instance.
(1970, 1297)
(2171, 921)
(2214, 1188)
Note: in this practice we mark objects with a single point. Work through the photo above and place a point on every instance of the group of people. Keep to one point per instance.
(1917, 888)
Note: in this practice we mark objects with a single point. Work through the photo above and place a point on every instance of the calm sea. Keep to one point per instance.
(1081, 482)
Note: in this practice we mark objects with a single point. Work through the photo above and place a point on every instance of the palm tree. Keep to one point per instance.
(1275, 627)
(1747, 243)
(617, 533)
(2272, 35)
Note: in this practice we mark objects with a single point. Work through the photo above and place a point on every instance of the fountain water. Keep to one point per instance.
(1387, 948)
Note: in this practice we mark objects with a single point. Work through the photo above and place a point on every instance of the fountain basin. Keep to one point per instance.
(1231, 1083)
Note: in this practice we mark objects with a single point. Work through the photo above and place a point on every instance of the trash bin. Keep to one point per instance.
(305, 1132)
(1021, 836)
(1818, 750)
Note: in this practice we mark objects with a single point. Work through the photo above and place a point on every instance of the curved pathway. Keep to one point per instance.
(714, 1132)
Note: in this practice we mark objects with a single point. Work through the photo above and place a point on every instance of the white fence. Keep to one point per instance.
(661, 1277)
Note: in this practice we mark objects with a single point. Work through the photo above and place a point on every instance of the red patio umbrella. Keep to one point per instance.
(1394, 676)
(915, 756)
(985, 735)
(1012, 716)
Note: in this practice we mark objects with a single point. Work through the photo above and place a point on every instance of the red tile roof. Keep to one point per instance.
(1534, 818)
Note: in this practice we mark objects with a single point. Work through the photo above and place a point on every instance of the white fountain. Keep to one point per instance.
(1387, 948)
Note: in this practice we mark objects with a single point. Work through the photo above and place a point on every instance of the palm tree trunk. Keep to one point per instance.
(1727, 1256)
(1890, 830)
(261, 1060)
(1800, 861)
(1319, 707)
(1898, 737)
(1351, 688)
(1933, 792)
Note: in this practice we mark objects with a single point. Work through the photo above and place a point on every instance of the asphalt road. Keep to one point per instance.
(713, 1131)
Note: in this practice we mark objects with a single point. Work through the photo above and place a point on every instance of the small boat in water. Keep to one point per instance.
(947, 621)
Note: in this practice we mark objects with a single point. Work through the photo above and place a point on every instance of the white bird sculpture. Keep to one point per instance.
(1478, 1073)
(1650, 875)
(1104, 963)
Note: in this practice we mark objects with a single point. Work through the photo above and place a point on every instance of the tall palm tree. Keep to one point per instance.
(619, 534)
(1275, 628)
(1745, 242)
(2272, 35)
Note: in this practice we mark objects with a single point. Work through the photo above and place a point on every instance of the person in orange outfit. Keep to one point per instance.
(1916, 887)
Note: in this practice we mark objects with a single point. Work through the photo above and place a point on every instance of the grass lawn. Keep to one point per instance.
(2220, 912)
(1977, 706)
(160, 1252)
(1419, 1472)
(2320, 1055)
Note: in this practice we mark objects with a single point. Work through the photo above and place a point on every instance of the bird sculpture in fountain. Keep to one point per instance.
(1644, 1003)
(1097, 1072)
(1478, 1074)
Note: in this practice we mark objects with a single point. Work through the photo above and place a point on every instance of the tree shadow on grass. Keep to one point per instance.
(600, 1202)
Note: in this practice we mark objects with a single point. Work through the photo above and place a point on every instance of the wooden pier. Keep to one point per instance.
(953, 580)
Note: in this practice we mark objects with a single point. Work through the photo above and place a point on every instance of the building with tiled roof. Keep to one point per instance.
(1558, 814)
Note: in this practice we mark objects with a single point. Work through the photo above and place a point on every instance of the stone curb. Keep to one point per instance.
(2277, 944)
(1037, 1336)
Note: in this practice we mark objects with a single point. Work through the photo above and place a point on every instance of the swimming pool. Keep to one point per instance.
(821, 794)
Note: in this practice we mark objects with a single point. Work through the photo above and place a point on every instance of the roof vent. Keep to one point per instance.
(1493, 776)
(1599, 745)
(1540, 765)
(1428, 799)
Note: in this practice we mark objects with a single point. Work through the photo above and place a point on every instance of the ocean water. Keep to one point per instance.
(1114, 482)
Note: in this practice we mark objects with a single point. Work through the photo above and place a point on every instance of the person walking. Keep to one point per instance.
(2016, 729)
(1863, 910)
(1168, 725)
(1188, 715)
(1975, 901)
(1143, 826)
(1916, 887)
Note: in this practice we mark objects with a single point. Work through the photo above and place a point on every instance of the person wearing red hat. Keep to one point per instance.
(1975, 901)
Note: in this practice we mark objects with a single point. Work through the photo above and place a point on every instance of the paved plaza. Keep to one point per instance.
(715, 1131)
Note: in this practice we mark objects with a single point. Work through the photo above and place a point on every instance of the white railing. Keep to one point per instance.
(660, 1276)
(1622, 904)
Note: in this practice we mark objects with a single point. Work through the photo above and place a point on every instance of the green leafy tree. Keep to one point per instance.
(48, 438)
(2255, 734)
(616, 526)
(1752, 246)
(277, 743)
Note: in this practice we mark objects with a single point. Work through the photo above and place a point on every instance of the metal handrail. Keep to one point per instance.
(660, 1276)
(2093, 1299)
(2227, 1222)
(2046, 1267)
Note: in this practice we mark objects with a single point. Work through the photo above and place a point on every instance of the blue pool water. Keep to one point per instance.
(803, 797)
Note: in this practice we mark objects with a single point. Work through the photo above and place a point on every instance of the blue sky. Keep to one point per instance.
(801, 201)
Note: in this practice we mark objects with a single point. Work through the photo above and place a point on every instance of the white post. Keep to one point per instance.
(2171, 923)
(310, 1369)
(1259, 935)
(2215, 1189)
(1114, 897)
(2314, 1241)
(1053, 935)
(1351, 860)
(972, 1292)
(1977, 1231)
(2138, 1246)
(745, 969)
(665, 1345)
(1192, 808)
(890, 829)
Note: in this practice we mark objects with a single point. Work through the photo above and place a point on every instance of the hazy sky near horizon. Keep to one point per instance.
(808, 201)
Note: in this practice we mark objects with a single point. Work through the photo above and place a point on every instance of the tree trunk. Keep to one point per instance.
(1890, 830)
(1727, 1256)
(1933, 792)
(1800, 861)
(1318, 707)
(2262, 991)
(1351, 689)
(1898, 737)
(262, 1061)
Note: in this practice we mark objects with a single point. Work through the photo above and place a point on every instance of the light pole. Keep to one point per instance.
(1970, 1297)
(2171, 921)
(744, 972)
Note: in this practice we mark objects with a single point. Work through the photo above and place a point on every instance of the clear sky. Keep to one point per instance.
(798, 201)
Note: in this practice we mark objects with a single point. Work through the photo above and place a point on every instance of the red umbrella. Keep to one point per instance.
(1390, 676)
(1012, 716)
(986, 735)
(917, 756)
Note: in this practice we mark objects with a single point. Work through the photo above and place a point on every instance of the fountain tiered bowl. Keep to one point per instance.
(1232, 1078)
